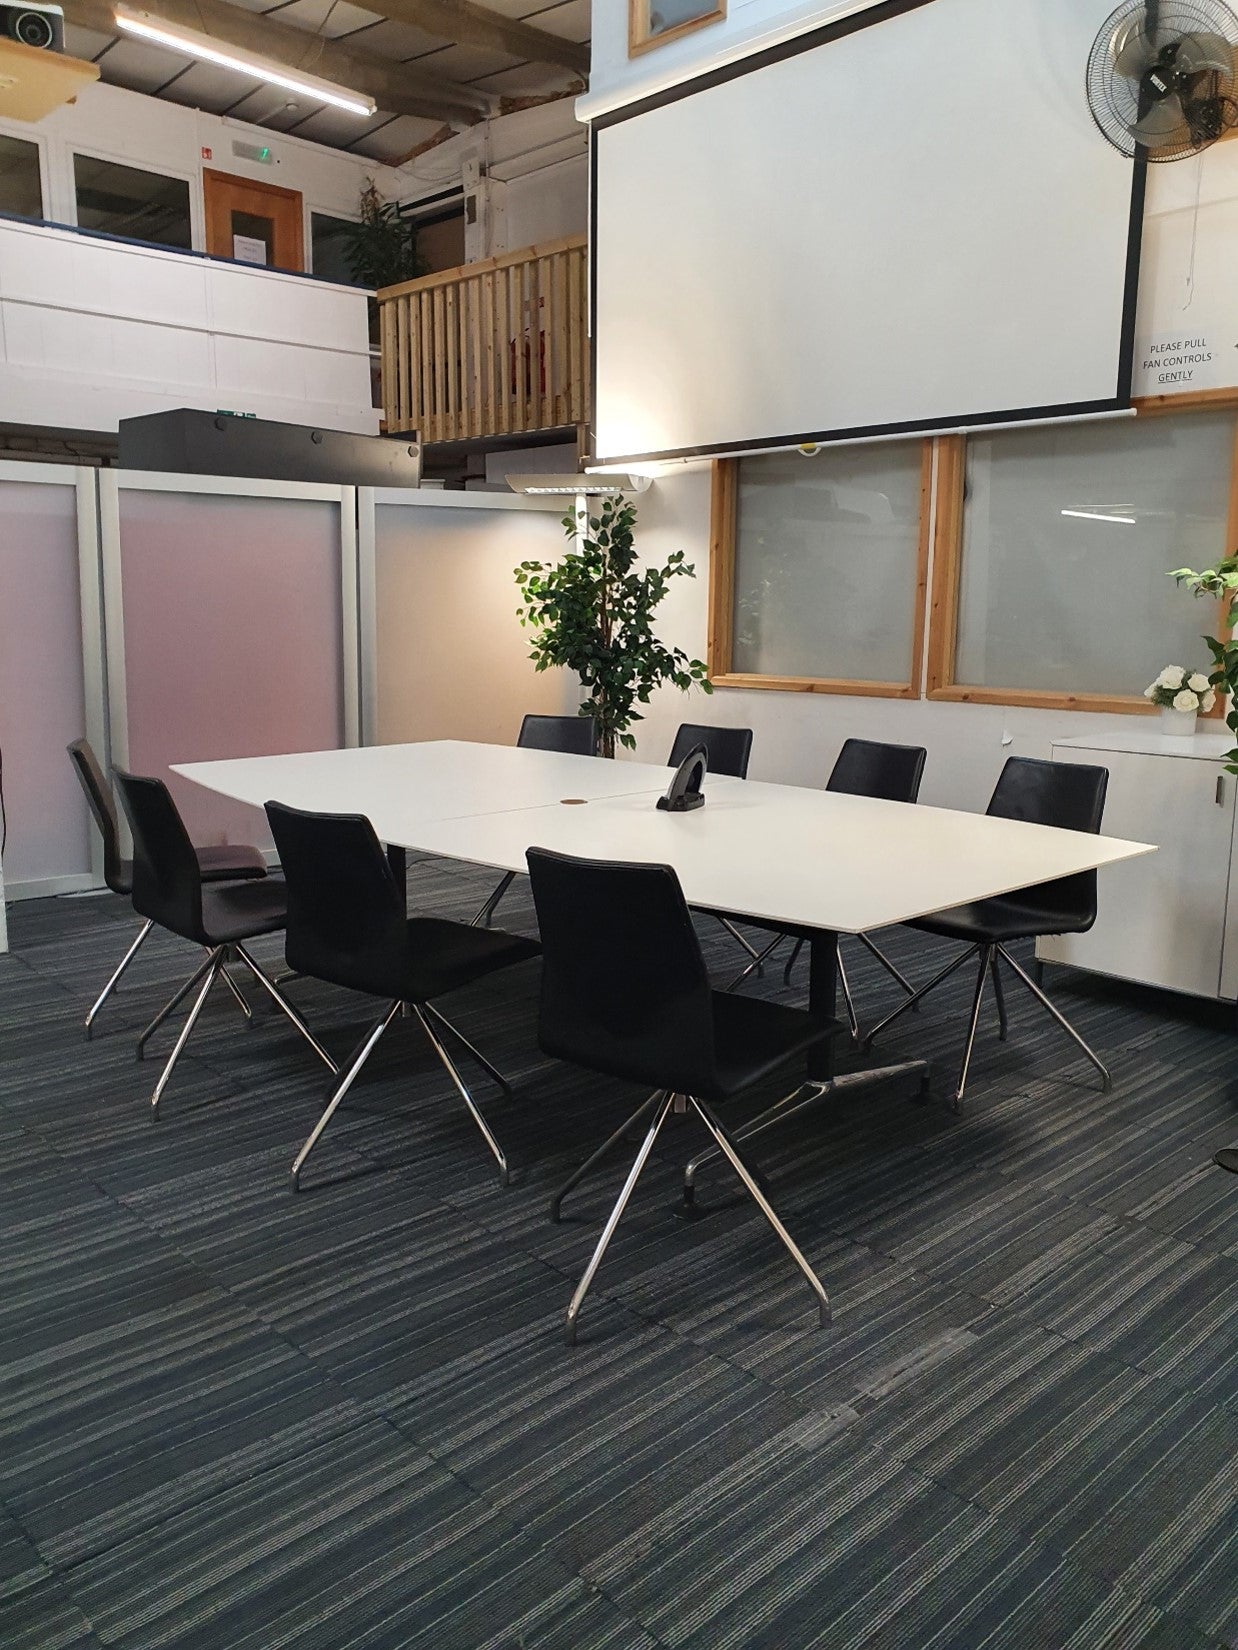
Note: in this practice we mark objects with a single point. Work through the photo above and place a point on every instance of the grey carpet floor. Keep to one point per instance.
(235, 1419)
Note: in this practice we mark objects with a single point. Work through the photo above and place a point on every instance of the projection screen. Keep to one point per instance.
(905, 221)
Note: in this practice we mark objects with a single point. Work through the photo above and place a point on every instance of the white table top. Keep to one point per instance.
(801, 857)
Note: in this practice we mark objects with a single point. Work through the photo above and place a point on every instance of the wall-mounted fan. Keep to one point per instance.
(1162, 77)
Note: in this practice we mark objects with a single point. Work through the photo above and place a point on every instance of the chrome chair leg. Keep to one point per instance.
(211, 969)
(920, 992)
(278, 997)
(463, 1091)
(603, 1151)
(792, 960)
(172, 1004)
(347, 1078)
(238, 995)
(1059, 1017)
(124, 962)
(727, 1146)
(848, 1000)
(482, 919)
(757, 965)
(615, 1216)
(491, 1071)
(987, 954)
(894, 973)
(1003, 1024)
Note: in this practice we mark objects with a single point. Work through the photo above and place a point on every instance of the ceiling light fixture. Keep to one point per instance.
(145, 26)
(1100, 515)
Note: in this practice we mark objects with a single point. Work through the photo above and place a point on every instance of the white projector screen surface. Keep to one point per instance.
(913, 225)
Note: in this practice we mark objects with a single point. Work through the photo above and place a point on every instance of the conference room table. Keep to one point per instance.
(812, 862)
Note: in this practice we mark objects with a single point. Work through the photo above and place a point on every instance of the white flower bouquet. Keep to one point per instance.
(1178, 689)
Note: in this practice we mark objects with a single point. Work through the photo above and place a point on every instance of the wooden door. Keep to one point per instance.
(259, 223)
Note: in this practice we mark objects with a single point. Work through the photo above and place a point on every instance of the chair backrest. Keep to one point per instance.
(866, 767)
(728, 748)
(93, 781)
(347, 920)
(576, 735)
(624, 986)
(1066, 794)
(167, 880)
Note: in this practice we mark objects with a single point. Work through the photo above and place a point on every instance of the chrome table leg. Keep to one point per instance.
(482, 919)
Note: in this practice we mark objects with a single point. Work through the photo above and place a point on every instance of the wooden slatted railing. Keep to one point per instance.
(492, 348)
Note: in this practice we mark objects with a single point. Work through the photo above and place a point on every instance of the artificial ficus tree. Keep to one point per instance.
(592, 612)
(1220, 581)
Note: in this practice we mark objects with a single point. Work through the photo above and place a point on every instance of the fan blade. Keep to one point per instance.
(1200, 53)
(1163, 122)
(1132, 51)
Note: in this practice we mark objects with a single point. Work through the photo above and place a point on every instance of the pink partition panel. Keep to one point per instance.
(232, 613)
(41, 701)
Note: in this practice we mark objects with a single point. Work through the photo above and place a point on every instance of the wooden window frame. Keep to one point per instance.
(724, 523)
(641, 40)
(948, 565)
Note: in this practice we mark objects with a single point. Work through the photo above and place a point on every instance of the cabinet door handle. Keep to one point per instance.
(1220, 797)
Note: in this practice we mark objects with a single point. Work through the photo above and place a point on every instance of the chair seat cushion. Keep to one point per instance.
(428, 958)
(231, 860)
(242, 910)
(990, 921)
(752, 1038)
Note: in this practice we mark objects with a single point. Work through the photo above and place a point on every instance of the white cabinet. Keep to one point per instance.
(1164, 919)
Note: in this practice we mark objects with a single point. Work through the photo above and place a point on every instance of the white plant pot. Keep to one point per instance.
(1177, 724)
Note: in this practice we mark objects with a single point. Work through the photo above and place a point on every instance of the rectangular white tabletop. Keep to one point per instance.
(788, 855)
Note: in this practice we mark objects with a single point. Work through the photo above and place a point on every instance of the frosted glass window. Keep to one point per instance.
(42, 703)
(825, 563)
(233, 638)
(1068, 534)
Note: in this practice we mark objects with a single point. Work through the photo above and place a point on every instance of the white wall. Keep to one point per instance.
(92, 331)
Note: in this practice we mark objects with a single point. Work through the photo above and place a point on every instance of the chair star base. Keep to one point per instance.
(662, 1104)
(433, 1023)
(213, 968)
(990, 954)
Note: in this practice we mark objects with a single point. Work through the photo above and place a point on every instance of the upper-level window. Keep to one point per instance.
(125, 200)
(21, 190)
(654, 22)
(328, 240)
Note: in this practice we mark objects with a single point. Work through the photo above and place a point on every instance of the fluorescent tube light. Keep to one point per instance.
(1100, 515)
(204, 46)
(593, 486)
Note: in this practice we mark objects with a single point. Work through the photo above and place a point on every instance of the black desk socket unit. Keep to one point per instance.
(188, 441)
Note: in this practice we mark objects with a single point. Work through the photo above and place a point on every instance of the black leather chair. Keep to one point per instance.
(625, 992)
(727, 751)
(222, 864)
(168, 889)
(1064, 794)
(865, 767)
(348, 925)
(575, 736)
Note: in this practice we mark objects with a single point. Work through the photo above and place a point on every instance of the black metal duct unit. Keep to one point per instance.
(187, 441)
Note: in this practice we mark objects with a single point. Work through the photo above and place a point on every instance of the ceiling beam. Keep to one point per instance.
(396, 87)
(467, 24)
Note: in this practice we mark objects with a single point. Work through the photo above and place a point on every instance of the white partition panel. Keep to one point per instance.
(231, 610)
(445, 655)
(50, 683)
